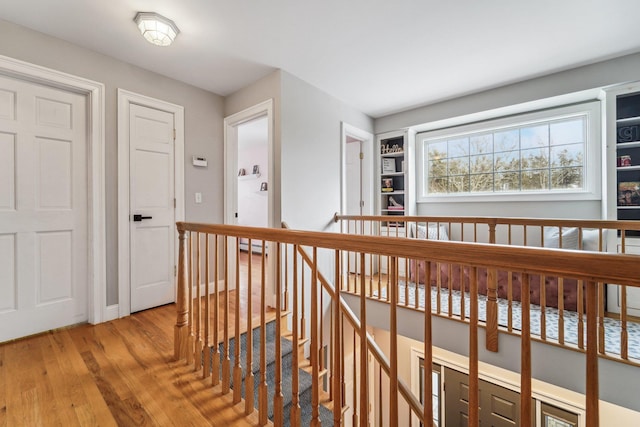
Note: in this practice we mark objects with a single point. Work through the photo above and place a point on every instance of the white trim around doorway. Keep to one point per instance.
(231, 123)
(125, 99)
(347, 130)
(231, 161)
(95, 94)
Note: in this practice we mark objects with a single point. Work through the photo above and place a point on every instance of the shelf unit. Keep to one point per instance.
(627, 153)
(623, 175)
(248, 177)
(395, 174)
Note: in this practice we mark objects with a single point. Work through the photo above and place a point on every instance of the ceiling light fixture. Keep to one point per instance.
(156, 28)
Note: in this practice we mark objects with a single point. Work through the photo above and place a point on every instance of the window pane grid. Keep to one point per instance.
(541, 157)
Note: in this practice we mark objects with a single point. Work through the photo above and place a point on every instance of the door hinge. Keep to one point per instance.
(362, 203)
(174, 203)
(175, 270)
(361, 155)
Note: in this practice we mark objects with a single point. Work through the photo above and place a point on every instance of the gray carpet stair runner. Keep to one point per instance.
(305, 383)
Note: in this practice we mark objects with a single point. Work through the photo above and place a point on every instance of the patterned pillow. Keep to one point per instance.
(433, 232)
(569, 237)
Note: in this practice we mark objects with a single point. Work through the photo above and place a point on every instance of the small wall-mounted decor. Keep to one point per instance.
(256, 170)
(263, 186)
(242, 172)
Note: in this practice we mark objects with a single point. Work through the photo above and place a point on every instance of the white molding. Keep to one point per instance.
(95, 93)
(212, 289)
(125, 99)
(111, 312)
(231, 123)
(540, 391)
(593, 152)
(368, 175)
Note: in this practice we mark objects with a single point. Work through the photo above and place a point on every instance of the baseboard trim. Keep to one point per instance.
(111, 312)
(212, 287)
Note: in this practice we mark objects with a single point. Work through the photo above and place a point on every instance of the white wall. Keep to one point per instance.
(579, 79)
(252, 203)
(203, 122)
(550, 364)
(610, 414)
(311, 147)
(264, 89)
(614, 71)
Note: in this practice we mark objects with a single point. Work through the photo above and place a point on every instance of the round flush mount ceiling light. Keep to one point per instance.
(156, 28)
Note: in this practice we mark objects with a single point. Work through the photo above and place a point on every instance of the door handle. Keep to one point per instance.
(138, 217)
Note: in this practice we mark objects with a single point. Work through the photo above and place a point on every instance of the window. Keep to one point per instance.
(556, 417)
(435, 393)
(542, 153)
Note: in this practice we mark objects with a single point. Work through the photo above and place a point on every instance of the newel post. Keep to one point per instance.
(492, 299)
(181, 330)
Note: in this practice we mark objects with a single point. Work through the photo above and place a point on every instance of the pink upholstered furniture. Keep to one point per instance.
(570, 286)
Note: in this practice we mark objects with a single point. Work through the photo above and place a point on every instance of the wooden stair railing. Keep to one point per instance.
(368, 344)
(588, 266)
(514, 231)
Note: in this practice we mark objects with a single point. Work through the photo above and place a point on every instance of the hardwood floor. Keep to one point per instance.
(117, 373)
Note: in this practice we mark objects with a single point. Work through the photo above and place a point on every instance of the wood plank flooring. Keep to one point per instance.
(119, 373)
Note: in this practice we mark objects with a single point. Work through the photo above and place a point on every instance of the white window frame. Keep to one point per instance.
(592, 156)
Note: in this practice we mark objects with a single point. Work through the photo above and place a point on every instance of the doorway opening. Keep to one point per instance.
(253, 184)
(357, 184)
(357, 171)
(245, 174)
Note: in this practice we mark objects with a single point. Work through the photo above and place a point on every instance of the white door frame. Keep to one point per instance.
(94, 92)
(347, 130)
(231, 180)
(125, 98)
(231, 158)
(366, 176)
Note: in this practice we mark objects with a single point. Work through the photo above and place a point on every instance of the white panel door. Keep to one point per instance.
(353, 188)
(43, 208)
(353, 184)
(152, 223)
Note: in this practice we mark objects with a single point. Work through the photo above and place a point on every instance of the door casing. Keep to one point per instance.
(367, 166)
(231, 183)
(95, 93)
(125, 99)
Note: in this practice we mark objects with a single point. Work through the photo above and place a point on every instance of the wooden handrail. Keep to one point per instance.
(523, 221)
(602, 267)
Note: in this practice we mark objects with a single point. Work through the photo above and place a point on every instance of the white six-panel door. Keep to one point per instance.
(43, 208)
(152, 192)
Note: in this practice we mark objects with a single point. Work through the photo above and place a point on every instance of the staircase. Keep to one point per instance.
(305, 379)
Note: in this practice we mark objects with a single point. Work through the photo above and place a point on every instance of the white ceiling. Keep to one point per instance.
(379, 56)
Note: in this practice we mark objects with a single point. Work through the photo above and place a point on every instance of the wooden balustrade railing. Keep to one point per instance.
(301, 254)
(592, 235)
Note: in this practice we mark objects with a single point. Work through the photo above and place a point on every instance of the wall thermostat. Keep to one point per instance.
(199, 161)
